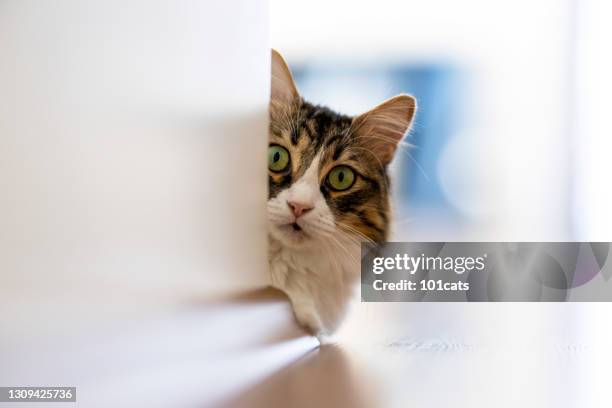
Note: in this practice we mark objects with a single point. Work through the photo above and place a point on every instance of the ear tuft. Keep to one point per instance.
(382, 128)
(283, 86)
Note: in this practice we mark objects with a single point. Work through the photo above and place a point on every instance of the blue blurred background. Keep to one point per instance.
(511, 130)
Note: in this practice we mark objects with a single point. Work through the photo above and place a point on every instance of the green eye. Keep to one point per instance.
(341, 178)
(278, 158)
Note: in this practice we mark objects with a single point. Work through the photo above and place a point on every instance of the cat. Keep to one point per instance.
(328, 192)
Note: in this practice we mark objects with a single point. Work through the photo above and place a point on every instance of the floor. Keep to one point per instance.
(460, 355)
(246, 351)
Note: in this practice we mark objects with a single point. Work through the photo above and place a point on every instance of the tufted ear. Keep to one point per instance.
(283, 86)
(382, 128)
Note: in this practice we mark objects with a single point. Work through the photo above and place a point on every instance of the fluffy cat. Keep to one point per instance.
(328, 192)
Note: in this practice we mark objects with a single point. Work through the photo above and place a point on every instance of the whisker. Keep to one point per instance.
(354, 231)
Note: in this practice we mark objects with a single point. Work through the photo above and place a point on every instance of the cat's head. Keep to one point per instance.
(328, 172)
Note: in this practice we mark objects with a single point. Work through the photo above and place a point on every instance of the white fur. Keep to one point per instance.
(317, 267)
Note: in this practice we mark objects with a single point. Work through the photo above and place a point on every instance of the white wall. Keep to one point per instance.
(133, 183)
(132, 143)
(593, 142)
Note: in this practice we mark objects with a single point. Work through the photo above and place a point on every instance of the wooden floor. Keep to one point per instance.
(452, 355)
(323, 378)
(247, 351)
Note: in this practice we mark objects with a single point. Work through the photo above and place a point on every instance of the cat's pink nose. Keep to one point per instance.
(298, 209)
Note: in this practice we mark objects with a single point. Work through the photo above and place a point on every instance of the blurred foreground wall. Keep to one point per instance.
(132, 178)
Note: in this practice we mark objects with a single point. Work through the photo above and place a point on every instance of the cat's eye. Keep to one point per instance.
(278, 158)
(341, 178)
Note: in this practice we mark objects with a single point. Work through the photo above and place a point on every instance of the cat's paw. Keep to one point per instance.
(325, 338)
(308, 318)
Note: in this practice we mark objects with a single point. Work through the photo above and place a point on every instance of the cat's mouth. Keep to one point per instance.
(294, 229)
(293, 233)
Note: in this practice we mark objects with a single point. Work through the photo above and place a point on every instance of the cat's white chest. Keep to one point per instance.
(319, 282)
(289, 268)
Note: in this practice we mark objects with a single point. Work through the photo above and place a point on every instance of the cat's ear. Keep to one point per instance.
(382, 128)
(283, 86)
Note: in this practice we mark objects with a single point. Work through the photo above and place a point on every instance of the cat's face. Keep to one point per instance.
(328, 172)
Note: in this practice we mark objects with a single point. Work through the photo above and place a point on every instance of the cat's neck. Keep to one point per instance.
(333, 259)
